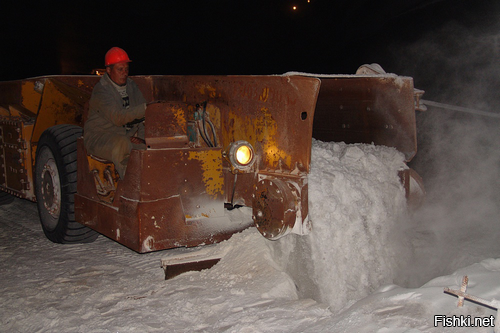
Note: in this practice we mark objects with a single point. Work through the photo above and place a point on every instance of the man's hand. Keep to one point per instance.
(135, 121)
(137, 140)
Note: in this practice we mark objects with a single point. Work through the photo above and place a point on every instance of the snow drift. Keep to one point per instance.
(357, 206)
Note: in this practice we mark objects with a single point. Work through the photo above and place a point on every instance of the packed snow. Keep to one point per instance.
(356, 202)
(352, 273)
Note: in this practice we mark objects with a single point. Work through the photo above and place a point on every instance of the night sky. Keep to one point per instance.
(226, 37)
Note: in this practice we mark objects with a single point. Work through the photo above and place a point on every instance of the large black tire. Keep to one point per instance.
(5, 198)
(55, 185)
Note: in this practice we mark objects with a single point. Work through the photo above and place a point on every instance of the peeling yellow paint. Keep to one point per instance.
(265, 95)
(272, 154)
(31, 98)
(207, 89)
(215, 115)
(180, 117)
(261, 129)
(241, 127)
(59, 106)
(212, 170)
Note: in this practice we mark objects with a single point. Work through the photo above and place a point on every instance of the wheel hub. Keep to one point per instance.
(51, 189)
(274, 210)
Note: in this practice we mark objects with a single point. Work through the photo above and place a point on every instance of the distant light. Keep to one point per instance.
(98, 71)
(294, 7)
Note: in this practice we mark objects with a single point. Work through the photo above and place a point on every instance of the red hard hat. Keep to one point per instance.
(115, 55)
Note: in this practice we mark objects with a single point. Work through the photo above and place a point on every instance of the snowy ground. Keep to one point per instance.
(351, 274)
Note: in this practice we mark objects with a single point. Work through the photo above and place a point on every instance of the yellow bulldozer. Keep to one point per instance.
(214, 143)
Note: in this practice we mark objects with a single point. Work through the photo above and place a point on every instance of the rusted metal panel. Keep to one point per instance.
(366, 109)
(280, 205)
(161, 173)
(161, 223)
(274, 208)
(11, 132)
(168, 198)
(239, 188)
(273, 113)
(15, 151)
(14, 175)
(61, 104)
(28, 92)
(166, 125)
(84, 83)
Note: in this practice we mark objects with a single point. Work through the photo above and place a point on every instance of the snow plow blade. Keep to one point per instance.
(173, 269)
(377, 109)
(198, 260)
(213, 143)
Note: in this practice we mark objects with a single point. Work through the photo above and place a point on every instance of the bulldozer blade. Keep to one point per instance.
(199, 260)
(174, 269)
(377, 109)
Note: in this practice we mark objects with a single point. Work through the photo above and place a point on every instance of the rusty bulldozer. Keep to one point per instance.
(213, 143)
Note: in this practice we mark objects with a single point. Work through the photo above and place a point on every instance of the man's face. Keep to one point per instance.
(118, 73)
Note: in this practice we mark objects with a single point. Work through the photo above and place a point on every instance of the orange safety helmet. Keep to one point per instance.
(115, 55)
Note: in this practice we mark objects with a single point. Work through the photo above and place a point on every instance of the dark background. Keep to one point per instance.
(450, 47)
(231, 37)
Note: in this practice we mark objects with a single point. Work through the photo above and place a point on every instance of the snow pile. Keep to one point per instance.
(356, 202)
(258, 286)
(395, 309)
(105, 287)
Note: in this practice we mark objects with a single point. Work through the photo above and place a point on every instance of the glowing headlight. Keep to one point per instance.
(244, 155)
(241, 154)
